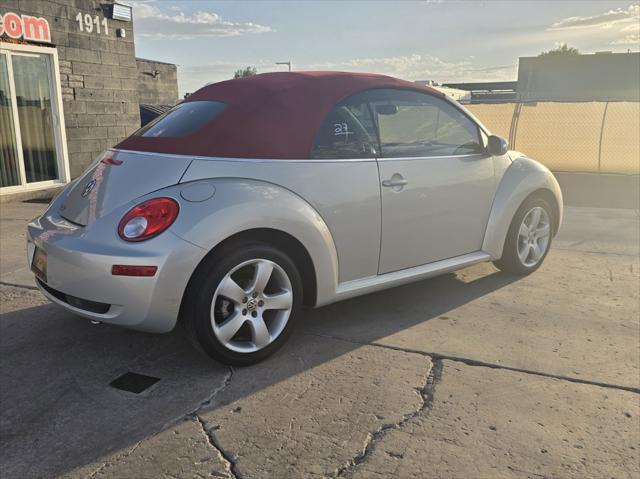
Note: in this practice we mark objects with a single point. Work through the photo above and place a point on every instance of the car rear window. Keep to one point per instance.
(182, 119)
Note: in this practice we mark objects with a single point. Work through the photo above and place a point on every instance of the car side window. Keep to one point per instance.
(415, 124)
(347, 132)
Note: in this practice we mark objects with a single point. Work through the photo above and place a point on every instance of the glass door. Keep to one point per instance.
(9, 172)
(30, 131)
(35, 114)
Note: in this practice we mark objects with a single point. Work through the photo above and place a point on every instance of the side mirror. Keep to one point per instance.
(497, 146)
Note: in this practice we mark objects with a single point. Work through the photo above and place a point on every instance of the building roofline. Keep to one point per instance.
(147, 60)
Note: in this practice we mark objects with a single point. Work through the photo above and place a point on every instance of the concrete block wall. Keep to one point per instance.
(157, 82)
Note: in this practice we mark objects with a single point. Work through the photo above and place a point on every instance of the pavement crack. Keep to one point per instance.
(193, 414)
(205, 402)
(482, 364)
(224, 456)
(225, 383)
(426, 393)
(529, 473)
(604, 253)
(114, 460)
(16, 285)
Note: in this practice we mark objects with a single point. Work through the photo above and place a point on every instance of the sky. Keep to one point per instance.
(439, 40)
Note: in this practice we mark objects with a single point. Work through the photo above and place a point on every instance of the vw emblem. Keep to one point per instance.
(88, 187)
(252, 305)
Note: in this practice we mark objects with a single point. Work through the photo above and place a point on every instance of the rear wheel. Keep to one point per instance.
(528, 239)
(242, 303)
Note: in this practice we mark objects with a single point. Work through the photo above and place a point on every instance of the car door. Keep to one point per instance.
(342, 182)
(437, 182)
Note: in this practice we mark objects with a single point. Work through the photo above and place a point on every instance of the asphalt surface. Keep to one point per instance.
(473, 374)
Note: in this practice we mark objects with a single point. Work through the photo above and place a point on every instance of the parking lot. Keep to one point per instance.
(475, 374)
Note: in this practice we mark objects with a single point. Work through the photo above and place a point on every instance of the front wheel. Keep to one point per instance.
(528, 239)
(242, 303)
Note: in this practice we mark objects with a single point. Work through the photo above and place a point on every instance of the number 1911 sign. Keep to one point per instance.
(90, 24)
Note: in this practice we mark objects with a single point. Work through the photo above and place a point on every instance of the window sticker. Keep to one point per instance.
(340, 129)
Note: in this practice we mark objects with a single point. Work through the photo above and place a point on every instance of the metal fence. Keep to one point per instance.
(594, 137)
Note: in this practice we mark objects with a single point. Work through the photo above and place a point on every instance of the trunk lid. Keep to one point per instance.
(117, 178)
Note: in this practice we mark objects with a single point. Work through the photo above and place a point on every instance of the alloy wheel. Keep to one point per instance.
(251, 305)
(533, 236)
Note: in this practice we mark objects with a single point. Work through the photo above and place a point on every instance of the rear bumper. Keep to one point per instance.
(79, 261)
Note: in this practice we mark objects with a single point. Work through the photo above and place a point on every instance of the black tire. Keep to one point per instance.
(196, 311)
(510, 261)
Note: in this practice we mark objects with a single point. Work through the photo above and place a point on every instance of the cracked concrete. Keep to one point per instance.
(153, 460)
(474, 374)
(319, 417)
(490, 423)
(473, 362)
(223, 456)
(304, 425)
(427, 393)
(177, 452)
(567, 319)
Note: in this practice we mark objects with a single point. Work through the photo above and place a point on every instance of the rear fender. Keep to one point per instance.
(523, 177)
(239, 205)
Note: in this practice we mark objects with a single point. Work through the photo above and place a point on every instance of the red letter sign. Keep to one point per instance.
(35, 29)
(13, 25)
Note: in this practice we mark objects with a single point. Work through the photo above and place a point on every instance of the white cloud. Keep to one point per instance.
(615, 27)
(631, 35)
(632, 39)
(634, 27)
(150, 21)
(604, 20)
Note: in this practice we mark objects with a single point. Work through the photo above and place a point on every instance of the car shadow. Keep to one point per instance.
(375, 316)
(55, 370)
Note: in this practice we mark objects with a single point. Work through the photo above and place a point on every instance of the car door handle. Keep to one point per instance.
(395, 181)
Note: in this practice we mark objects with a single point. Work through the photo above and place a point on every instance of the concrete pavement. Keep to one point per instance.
(13, 253)
(472, 374)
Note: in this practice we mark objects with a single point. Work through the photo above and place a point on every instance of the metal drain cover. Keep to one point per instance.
(133, 382)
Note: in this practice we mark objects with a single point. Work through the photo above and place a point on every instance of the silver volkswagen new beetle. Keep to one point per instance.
(256, 196)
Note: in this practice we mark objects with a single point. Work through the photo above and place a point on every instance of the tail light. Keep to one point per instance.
(148, 219)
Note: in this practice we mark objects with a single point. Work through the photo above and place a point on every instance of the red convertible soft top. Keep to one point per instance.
(268, 116)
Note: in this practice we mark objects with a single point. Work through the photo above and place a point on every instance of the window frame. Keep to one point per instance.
(444, 98)
(367, 93)
(59, 127)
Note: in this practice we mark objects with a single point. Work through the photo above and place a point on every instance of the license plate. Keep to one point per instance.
(39, 264)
